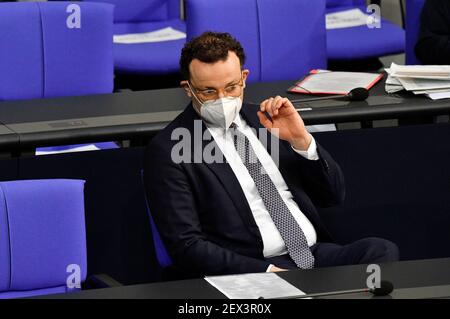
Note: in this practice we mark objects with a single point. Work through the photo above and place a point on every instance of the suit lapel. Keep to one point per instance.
(222, 170)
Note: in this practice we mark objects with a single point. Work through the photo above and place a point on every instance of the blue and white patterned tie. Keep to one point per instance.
(290, 230)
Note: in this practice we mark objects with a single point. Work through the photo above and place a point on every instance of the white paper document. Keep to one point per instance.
(392, 81)
(335, 82)
(253, 286)
(166, 34)
(437, 72)
(414, 84)
(393, 88)
(439, 95)
(432, 91)
(346, 19)
(393, 85)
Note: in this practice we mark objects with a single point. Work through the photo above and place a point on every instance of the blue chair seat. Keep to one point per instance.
(134, 58)
(362, 42)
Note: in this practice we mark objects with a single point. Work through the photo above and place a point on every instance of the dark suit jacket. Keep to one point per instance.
(433, 44)
(201, 211)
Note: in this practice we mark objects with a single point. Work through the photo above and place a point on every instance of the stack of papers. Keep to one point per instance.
(430, 80)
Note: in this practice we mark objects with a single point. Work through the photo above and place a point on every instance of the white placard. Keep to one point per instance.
(253, 286)
(166, 34)
(346, 19)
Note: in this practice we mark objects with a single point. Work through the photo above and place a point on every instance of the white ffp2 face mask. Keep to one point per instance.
(221, 112)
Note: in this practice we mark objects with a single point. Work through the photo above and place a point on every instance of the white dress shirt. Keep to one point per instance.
(272, 240)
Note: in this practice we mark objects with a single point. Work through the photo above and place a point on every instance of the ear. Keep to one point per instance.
(185, 86)
(245, 74)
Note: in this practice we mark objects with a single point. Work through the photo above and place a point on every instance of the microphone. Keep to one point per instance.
(357, 94)
(385, 289)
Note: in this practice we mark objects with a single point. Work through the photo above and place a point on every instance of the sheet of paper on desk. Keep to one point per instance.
(166, 34)
(392, 81)
(335, 82)
(253, 286)
(437, 72)
(393, 85)
(439, 95)
(414, 84)
(431, 91)
(346, 19)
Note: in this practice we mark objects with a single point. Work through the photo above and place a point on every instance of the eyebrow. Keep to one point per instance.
(228, 84)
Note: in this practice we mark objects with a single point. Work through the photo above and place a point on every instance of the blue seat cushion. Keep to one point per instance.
(361, 42)
(148, 58)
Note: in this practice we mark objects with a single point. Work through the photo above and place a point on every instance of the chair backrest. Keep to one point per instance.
(162, 255)
(413, 13)
(283, 39)
(345, 3)
(143, 10)
(44, 54)
(42, 232)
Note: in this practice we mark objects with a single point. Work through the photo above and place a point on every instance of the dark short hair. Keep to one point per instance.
(210, 47)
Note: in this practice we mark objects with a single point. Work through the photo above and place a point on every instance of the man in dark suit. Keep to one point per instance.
(229, 197)
(433, 44)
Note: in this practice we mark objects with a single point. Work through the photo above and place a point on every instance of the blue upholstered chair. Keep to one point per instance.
(283, 39)
(361, 42)
(162, 255)
(42, 57)
(413, 13)
(138, 16)
(42, 232)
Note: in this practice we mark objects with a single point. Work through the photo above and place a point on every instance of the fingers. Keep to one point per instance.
(264, 120)
(273, 105)
(265, 105)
